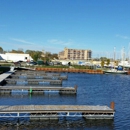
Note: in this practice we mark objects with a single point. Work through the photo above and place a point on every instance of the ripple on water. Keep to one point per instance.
(93, 89)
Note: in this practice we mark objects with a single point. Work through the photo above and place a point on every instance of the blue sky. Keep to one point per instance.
(51, 25)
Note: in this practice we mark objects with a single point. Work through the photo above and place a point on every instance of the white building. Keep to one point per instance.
(14, 57)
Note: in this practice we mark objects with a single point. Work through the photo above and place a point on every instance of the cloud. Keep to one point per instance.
(22, 41)
(15, 46)
(123, 37)
(59, 42)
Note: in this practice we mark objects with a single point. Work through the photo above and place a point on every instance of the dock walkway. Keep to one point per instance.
(38, 77)
(55, 111)
(33, 81)
(38, 89)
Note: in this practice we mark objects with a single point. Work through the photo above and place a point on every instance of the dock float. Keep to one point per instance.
(47, 112)
(33, 81)
(38, 89)
(37, 73)
(38, 77)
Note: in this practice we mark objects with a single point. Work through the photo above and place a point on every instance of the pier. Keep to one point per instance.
(34, 84)
(33, 81)
(38, 89)
(55, 111)
(38, 77)
(27, 72)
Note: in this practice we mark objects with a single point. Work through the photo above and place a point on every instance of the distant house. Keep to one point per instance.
(14, 57)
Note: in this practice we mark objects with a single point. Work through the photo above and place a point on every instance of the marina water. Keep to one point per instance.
(93, 89)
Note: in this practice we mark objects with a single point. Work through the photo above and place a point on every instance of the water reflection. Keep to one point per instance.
(78, 124)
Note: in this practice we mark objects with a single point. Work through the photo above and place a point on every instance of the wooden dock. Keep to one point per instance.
(56, 111)
(37, 73)
(38, 89)
(33, 81)
(39, 77)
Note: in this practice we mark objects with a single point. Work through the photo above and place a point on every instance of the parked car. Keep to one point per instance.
(31, 63)
(40, 62)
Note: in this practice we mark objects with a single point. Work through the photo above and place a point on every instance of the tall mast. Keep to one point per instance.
(129, 53)
(123, 55)
(114, 56)
(114, 53)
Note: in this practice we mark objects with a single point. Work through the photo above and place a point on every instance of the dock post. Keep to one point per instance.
(75, 88)
(30, 90)
(112, 106)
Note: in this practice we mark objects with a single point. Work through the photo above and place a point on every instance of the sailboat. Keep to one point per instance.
(115, 71)
(125, 64)
(118, 70)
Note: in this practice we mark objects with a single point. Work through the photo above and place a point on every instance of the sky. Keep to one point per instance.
(52, 25)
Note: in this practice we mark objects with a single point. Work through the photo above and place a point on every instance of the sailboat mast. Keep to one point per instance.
(123, 55)
(114, 56)
(129, 54)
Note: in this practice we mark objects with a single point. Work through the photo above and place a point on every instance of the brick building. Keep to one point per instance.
(75, 54)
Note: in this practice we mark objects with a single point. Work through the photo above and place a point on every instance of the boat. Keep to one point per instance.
(114, 71)
(118, 70)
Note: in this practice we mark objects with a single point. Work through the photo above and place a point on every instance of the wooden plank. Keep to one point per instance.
(40, 80)
(35, 88)
(38, 77)
(56, 108)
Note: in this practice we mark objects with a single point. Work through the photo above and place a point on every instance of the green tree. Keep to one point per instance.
(102, 63)
(34, 54)
(17, 51)
(1, 50)
(103, 58)
(108, 61)
(41, 55)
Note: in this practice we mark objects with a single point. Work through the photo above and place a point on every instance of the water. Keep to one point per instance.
(93, 89)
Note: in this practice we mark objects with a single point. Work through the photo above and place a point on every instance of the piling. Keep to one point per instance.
(112, 105)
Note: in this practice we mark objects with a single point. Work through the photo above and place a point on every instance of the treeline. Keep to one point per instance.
(39, 55)
(36, 55)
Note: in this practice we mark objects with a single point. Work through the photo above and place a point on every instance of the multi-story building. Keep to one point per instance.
(75, 54)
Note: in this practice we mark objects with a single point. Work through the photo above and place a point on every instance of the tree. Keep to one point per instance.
(34, 54)
(1, 50)
(41, 55)
(102, 63)
(17, 51)
(108, 62)
(48, 56)
(103, 58)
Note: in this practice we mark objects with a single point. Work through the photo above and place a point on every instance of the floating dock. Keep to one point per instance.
(55, 111)
(37, 73)
(38, 89)
(38, 77)
(33, 81)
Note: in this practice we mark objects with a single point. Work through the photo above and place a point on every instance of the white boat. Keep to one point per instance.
(115, 71)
